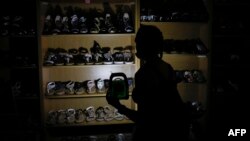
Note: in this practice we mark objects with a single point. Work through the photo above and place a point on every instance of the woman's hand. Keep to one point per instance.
(113, 101)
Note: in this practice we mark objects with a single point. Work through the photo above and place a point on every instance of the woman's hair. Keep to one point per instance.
(149, 41)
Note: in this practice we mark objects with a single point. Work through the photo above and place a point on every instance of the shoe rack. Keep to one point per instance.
(86, 71)
(230, 40)
(177, 26)
(19, 72)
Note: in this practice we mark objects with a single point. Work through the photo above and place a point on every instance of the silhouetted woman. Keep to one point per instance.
(161, 113)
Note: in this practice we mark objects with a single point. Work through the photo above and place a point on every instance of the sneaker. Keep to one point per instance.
(80, 58)
(95, 26)
(61, 116)
(198, 76)
(60, 88)
(69, 59)
(50, 57)
(48, 21)
(74, 24)
(51, 86)
(83, 25)
(58, 20)
(108, 23)
(118, 55)
(99, 114)
(90, 113)
(107, 56)
(91, 87)
(79, 116)
(188, 76)
(128, 55)
(71, 115)
(100, 86)
(52, 117)
(117, 115)
(97, 53)
(127, 23)
(5, 25)
(69, 87)
(108, 113)
(65, 25)
(79, 88)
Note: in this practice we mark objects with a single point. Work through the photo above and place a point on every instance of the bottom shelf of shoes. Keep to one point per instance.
(83, 111)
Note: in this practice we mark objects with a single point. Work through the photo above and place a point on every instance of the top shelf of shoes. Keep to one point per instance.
(88, 1)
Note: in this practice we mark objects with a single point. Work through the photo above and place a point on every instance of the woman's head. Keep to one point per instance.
(149, 42)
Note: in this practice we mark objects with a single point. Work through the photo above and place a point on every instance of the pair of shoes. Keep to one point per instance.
(55, 88)
(123, 55)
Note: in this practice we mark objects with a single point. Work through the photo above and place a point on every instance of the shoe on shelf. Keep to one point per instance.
(52, 117)
(61, 116)
(107, 56)
(109, 114)
(69, 87)
(60, 88)
(117, 115)
(79, 116)
(79, 88)
(128, 55)
(97, 53)
(100, 114)
(91, 87)
(51, 87)
(90, 113)
(100, 86)
(71, 115)
(118, 55)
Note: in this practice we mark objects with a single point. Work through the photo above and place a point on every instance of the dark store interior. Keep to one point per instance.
(203, 39)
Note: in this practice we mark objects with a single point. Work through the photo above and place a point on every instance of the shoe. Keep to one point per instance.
(99, 114)
(58, 20)
(70, 115)
(52, 118)
(48, 21)
(5, 25)
(68, 59)
(117, 115)
(60, 56)
(79, 116)
(80, 58)
(51, 87)
(127, 23)
(107, 56)
(118, 55)
(90, 113)
(74, 24)
(109, 25)
(50, 57)
(91, 87)
(61, 117)
(97, 53)
(83, 25)
(128, 55)
(69, 87)
(188, 76)
(60, 88)
(108, 112)
(95, 26)
(100, 86)
(198, 76)
(79, 88)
